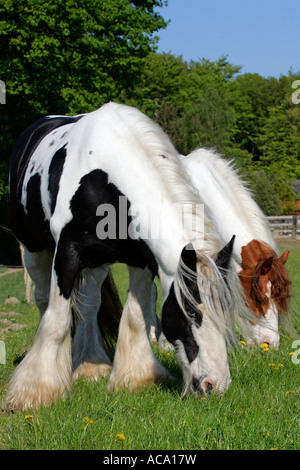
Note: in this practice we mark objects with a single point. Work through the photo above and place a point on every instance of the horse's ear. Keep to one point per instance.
(189, 257)
(265, 266)
(223, 257)
(283, 258)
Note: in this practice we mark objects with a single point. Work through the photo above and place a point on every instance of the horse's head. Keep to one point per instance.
(267, 287)
(194, 319)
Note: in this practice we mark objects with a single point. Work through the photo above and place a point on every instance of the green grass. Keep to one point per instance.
(260, 410)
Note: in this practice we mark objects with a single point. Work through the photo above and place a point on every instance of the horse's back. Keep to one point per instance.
(228, 197)
(24, 148)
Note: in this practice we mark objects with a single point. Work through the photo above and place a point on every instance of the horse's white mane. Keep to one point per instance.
(238, 192)
(165, 160)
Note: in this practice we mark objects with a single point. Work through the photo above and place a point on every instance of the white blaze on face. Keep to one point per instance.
(266, 330)
(212, 355)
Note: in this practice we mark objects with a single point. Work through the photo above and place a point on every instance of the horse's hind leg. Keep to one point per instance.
(39, 266)
(135, 363)
(89, 356)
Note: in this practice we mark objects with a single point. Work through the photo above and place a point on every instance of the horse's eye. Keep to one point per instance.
(192, 313)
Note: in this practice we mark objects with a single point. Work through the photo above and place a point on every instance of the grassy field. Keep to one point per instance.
(260, 410)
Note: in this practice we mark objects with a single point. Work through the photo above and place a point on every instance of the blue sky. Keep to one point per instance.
(263, 36)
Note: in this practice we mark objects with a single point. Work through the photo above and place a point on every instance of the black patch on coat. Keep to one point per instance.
(189, 258)
(35, 217)
(55, 172)
(23, 149)
(176, 326)
(79, 246)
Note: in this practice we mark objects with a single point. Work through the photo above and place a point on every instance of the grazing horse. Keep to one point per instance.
(90, 190)
(232, 208)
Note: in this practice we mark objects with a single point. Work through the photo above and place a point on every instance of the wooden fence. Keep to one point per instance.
(284, 226)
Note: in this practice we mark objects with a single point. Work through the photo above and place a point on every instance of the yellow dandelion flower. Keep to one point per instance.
(264, 345)
(120, 436)
(266, 350)
(87, 420)
(280, 365)
(271, 365)
(28, 416)
(242, 342)
(134, 408)
(291, 353)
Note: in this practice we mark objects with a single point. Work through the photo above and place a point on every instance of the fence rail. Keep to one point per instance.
(284, 226)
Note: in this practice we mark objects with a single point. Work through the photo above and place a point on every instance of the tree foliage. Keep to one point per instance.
(71, 56)
(246, 117)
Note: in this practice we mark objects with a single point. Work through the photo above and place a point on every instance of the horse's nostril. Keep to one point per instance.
(208, 388)
(207, 385)
(203, 386)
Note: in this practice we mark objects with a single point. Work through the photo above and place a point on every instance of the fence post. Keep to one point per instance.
(294, 228)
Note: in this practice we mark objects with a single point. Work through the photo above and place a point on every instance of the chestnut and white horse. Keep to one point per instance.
(232, 208)
(90, 190)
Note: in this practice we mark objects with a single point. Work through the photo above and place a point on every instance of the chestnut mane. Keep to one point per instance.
(261, 264)
(281, 285)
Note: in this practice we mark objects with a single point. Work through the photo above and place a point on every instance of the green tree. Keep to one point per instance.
(206, 121)
(264, 192)
(70, 56)
(207, 117)
(162, 91)
(279, 141)
(251, 98)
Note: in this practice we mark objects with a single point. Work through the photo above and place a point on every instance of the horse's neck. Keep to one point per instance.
(231, 207)
(126, 143)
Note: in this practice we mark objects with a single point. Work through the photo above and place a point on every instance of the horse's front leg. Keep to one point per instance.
(135, 363)
(44, 375)
(89, 356)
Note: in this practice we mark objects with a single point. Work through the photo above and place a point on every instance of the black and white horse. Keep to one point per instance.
(90, 190)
